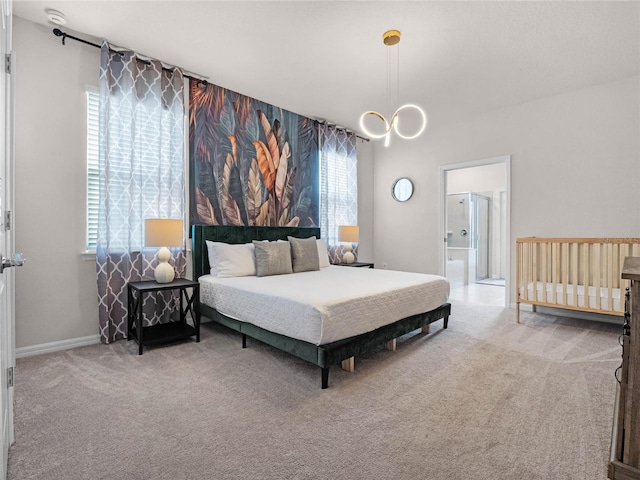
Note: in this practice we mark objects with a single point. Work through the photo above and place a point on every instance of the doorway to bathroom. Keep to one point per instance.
(475, 228)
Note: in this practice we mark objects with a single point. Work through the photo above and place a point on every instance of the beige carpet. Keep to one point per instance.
(484, 399)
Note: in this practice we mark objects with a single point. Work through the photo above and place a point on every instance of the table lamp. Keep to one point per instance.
(348, 234)
(163, 232)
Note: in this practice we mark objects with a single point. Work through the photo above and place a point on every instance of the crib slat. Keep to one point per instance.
(523, 270)
(586, 261)
(596, 279)
(565, 271)
(533, 271)
(610, 268)
(574, 272)
(555, 267)
(531, 248)
(623, 284)
(518, 268)
(544, 247)
(526, 252)
(615, 273)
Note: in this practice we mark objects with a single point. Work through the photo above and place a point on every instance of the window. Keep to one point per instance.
(93, 100)
(338, 185)
(340, 194)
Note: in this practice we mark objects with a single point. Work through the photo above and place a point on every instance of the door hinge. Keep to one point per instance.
(7, 63)
(7, 220)
(9, 377)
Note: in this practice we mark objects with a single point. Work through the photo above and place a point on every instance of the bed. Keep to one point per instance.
(573, 273)
(333, 333)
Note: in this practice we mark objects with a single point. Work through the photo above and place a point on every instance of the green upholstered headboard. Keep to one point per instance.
(232, 234)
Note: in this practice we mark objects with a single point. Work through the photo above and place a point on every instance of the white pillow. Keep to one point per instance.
(231, 260)
(323, 255)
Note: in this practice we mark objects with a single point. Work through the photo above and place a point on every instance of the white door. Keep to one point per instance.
(7, 317)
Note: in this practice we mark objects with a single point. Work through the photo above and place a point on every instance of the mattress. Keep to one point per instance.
(592, 292)
(324, 306)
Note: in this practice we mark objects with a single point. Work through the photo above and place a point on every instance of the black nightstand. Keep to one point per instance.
(163, 332)
(356, 264)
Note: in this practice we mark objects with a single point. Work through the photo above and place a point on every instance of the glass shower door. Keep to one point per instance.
(482, 235)
(459, 227)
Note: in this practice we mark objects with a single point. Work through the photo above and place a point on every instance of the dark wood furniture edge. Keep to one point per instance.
(625, 435)
(621, 471)
(356, 264)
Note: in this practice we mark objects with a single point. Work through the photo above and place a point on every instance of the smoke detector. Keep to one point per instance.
(55, 16)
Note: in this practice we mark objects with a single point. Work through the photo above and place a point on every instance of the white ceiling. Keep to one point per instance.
(325, 59)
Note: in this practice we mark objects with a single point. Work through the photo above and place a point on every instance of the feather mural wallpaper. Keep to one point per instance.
(250, 163)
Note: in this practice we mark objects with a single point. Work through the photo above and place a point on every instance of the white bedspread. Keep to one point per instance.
(326, 305)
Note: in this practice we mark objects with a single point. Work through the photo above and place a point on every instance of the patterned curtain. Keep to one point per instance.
(338, 186)
(141, 168)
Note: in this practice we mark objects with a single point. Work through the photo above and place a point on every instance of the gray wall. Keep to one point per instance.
(575, 172)
(56, 293)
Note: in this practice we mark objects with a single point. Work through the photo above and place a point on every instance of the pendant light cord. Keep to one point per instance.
(398, 74)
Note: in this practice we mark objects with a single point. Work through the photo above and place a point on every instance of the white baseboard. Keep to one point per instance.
(57, 346)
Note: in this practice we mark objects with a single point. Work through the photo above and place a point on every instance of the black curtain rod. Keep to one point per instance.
(333, 125)
(59, 33)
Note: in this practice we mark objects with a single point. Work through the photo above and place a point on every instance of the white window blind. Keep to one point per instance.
(143, 160)
(339, 210)
(93, 119)
(338, 186)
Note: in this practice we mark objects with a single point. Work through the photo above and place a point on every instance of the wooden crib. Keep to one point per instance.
(575, 273)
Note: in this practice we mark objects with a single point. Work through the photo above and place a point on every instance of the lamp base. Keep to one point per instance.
(348, 257)
(164, 272)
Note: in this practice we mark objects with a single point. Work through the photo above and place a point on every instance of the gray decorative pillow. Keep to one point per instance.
(304, 254)
(272, 258)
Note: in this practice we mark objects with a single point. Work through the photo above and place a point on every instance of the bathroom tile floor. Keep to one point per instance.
(479, 293)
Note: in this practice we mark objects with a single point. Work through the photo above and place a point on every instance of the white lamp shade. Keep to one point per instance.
(162, 232)
(348, 233)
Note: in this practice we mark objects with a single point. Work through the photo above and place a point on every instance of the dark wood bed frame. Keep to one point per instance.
(322, 355)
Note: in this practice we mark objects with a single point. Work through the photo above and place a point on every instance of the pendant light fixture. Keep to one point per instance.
(391, 38)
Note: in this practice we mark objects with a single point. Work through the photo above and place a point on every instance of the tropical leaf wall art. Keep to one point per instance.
(251, 163)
